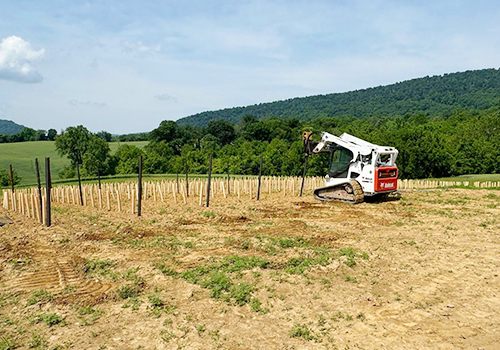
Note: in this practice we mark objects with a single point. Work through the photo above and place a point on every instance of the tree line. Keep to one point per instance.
(29, 134)
(462, 142)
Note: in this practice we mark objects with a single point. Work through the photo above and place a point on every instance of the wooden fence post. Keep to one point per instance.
(139, 195)
(209, 178)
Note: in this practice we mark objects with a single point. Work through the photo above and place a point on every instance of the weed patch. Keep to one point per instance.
(256, 306)
(317, 256)
(39, 296)
(351, 254)
(218, 277)
(50, 319)
(301, 331)
(89, 315)
(97, 267)
(6, 343)
(128, 291)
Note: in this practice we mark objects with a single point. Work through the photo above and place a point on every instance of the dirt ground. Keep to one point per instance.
(420, 272)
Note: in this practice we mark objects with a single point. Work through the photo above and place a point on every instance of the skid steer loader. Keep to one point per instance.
(357, 169)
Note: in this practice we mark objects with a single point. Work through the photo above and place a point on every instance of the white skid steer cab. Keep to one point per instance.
(357, 169)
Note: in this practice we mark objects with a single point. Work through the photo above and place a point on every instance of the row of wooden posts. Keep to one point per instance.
(36, 202)
(421, 184)
(124, 196)
(37, 205)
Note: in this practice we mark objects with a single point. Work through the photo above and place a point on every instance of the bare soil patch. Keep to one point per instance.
(282, 273)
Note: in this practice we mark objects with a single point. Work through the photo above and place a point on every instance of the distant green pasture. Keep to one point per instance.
(472, 178)
(22, 157)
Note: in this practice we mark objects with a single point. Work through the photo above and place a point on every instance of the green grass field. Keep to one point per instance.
(472, 178)
(22, 157)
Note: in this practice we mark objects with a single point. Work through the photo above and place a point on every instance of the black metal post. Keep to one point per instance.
(79, 183)
(187, 182)
(139, 191)
(260, 178)
(99, 179)
(40, 202)
(11, 178)
(48, 186)
(209, 179)
(303, 176)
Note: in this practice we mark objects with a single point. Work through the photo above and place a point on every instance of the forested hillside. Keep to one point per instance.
(437, 95)
(8, 127)
(464, 142)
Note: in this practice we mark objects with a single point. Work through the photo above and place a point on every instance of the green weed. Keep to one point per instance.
(50, 319)
(134, 303)
(318, 256)
(155, 301)
(301, 331)
(37, 341)
(218, 277)
(39, 296)
(98, 267)
(256, 306)
(129, 291)
(348, 278)
(8, 344)
(218, 283)
(20, 264)
(89, 314)
(241, 292)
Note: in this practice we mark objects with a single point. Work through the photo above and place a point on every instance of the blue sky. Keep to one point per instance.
(124, 66)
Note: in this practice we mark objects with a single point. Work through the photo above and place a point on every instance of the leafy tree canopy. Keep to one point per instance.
(73, 142)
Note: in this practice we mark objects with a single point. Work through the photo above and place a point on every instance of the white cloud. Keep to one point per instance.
(16, 57)
(140, 48)
(165, 97)
(77, 103)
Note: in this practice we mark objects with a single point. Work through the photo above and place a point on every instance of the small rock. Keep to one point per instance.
(450, 306)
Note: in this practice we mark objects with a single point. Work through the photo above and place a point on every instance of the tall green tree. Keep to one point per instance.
(224, 131)
(73, 143)
(51, 134)
(96, 160)
(127, 159)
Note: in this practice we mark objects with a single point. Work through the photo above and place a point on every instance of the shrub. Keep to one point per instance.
(5, 177)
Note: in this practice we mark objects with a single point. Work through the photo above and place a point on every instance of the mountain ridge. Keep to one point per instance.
(8, 127)
(439, 94)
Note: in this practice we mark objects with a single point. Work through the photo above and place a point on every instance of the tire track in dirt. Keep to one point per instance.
(50, 268)
(56, 276)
